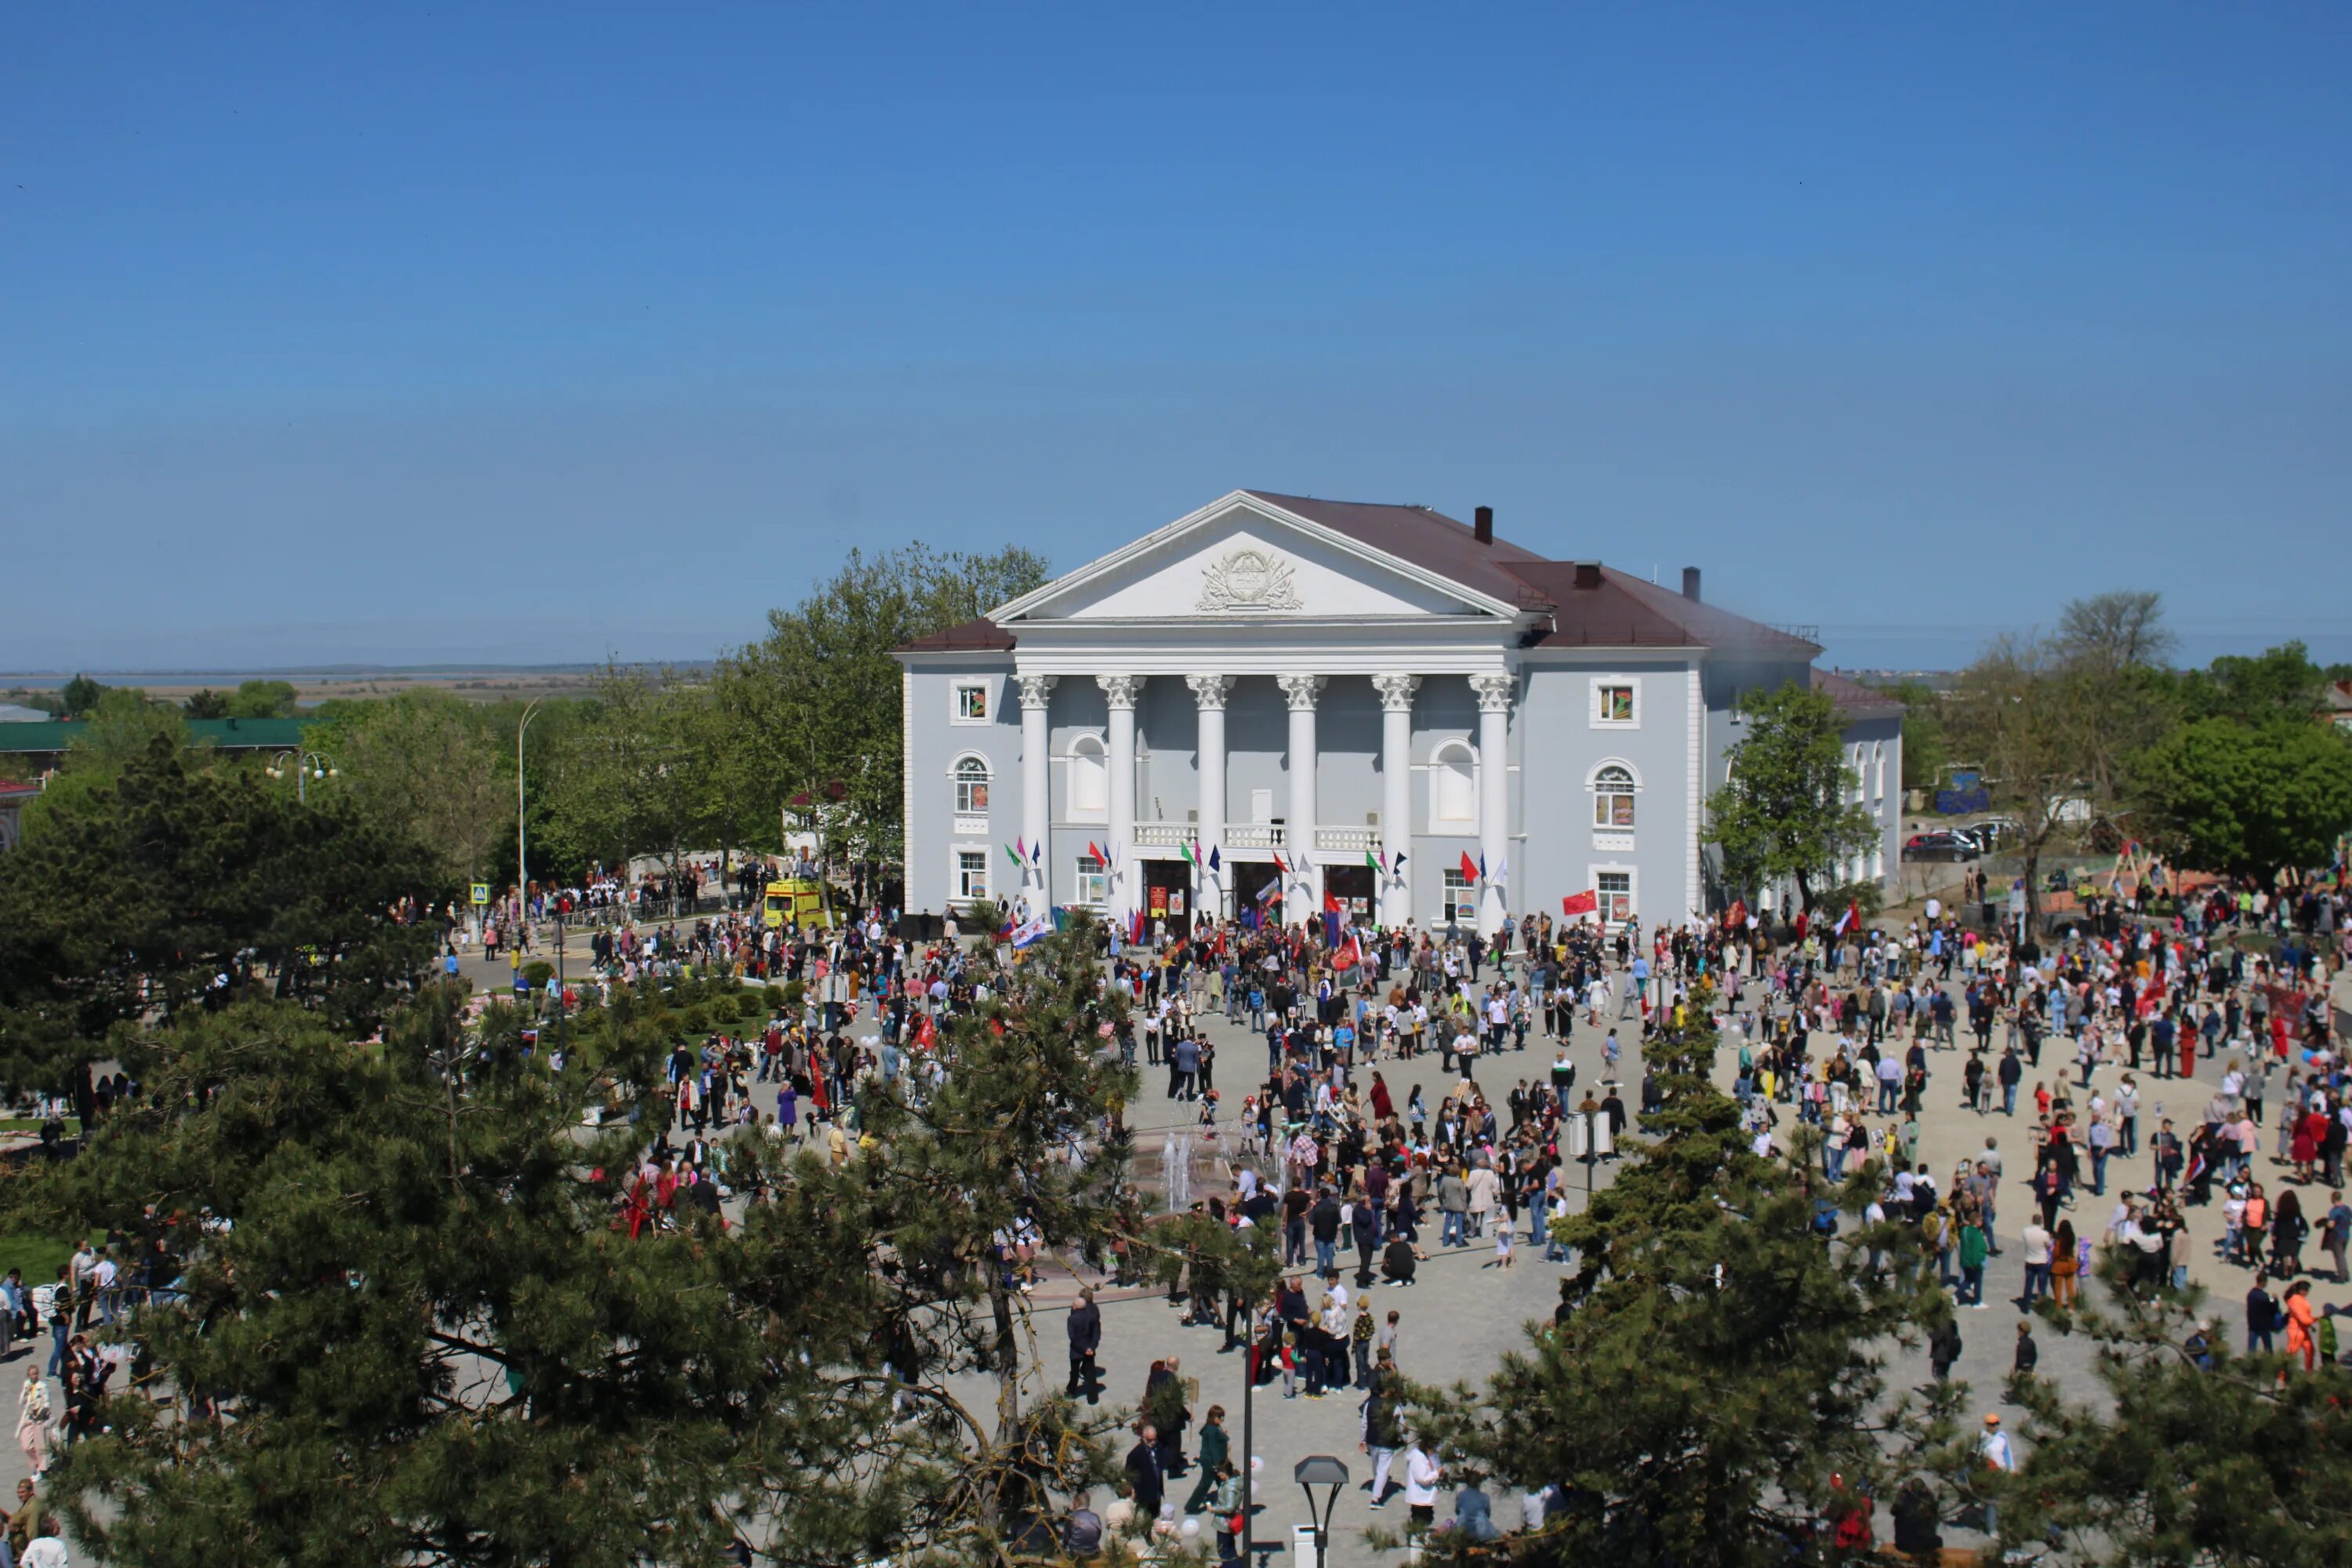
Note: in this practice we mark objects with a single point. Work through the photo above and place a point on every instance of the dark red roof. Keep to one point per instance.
(1610, 609)
(1623, 610)
(982, 635)
(1852, 697)
(1430, 539)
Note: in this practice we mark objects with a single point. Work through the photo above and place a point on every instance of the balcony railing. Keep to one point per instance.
(1256, 835)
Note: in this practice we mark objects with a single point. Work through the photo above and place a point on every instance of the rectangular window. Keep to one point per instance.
(972, 873)
(1616, 890)
(1461, 899)
(970, 702)
(1616, 703)
(1094, 882)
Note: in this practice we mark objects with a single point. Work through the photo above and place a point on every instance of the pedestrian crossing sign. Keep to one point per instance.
(481, 894)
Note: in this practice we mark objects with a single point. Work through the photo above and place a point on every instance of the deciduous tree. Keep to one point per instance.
(1784, 812)
(2226, 796)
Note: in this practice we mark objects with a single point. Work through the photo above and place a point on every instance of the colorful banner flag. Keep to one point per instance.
(1031, 930)
(1852, 917)
(1584, 903)
(1270, 892)
(1737, 916)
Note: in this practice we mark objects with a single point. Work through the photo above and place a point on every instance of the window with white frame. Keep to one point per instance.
(1089, 778)
(1461, 899)
(1616, 891)
(1616, 702)
(1093, 881)
(971, 874)
(971, 786)
(1612, 797)
(1453, 790)
(970, 701)
(1878, 766)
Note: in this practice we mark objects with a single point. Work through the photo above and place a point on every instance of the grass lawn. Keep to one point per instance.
(31, 1124)
(41, 1256)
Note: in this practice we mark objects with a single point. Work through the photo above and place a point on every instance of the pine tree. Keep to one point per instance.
(429, 1342)
(1717, 1393)
(2195, 1456)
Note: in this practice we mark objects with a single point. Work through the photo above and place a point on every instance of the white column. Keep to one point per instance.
(1209, 691)
(1126, 888)
(1037, 776)
(1396, 793)
(1494, 792)
(1305, 898)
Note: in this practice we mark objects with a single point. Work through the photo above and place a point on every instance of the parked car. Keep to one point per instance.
(1939, 845)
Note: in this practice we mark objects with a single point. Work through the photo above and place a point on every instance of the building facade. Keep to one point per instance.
(1281, 700)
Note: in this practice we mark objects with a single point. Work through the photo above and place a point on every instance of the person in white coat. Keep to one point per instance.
(1421, 1474)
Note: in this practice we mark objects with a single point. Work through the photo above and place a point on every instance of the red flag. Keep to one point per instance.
(1584, 903)
(1280, 864)
(1737, 916)
(1352, 955)
(1469, 868)
(1332, 905)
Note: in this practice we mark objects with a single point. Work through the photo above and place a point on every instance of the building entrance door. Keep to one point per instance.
(1352, 886)
(1167, 896)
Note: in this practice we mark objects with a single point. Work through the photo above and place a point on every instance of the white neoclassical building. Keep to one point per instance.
(1283, 697)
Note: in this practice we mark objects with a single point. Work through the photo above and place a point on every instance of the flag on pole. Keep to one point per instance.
(1037, 853)
(1398, 864)
(1213, 857)
(1482, 865)
(1190, 858)
(1852, 916)
(1502, 867)
(1280, 864)
(1015, 856)
(1737, 916)
(1584, 903)
(1031, 930)
(1374, 862)
(1469, 868)
(1332, 906)
(1350, 956)
(1271, 892)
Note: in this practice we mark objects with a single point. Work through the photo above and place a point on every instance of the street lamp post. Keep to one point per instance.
(307, 765)
(521, 729)
(1320, 1470)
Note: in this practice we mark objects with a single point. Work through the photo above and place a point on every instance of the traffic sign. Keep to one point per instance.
(481, 894)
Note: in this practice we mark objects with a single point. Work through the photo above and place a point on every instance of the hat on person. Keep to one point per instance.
(1992, 1417)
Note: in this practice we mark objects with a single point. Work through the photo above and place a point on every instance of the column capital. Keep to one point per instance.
(1302, 691)
(1120, 690)
(1033, 689)
(1494, 692)
(1209, 691)
(1396, 691)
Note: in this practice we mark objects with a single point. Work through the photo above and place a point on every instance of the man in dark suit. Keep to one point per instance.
(1143, 1471)
(1086, 1338)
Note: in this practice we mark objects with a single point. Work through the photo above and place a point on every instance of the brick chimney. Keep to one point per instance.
(1483, 528)
(1587, 574)
(1690, 584)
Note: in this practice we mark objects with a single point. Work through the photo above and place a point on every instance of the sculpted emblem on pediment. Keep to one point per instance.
(1248, 581)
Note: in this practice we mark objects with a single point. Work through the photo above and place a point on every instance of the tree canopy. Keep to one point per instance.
(1784, 812)
(173, 883)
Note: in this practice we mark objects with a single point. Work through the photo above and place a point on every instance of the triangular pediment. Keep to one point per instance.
(1244, 558)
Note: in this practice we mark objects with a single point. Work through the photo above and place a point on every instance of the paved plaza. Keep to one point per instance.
(1465, 1312)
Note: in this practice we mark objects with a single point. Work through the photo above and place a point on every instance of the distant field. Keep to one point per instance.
(487, 684)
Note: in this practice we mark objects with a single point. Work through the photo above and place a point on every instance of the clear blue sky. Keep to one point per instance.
(508, 332)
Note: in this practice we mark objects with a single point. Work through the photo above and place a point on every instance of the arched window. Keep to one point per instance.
(971, 786)
(1612, 797)
(1089, 777)
(1878, 763)
(1452, 789)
